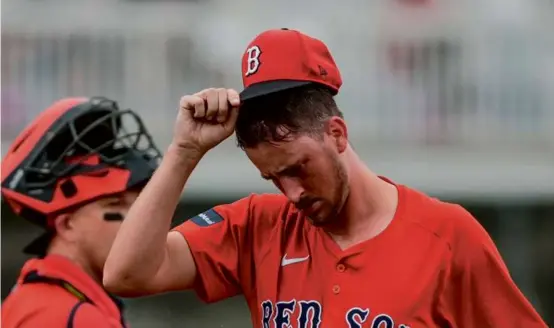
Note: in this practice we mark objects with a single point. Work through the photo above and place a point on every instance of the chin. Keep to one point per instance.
(319, 220)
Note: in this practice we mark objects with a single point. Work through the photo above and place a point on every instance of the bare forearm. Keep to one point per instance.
(140, 246)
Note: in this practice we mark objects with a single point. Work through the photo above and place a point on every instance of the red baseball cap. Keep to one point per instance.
(282, 59)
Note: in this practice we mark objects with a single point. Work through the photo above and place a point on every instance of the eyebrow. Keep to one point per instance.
(284, 169)
(112, 199)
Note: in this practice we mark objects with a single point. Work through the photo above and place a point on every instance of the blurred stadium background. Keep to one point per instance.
(453, 97)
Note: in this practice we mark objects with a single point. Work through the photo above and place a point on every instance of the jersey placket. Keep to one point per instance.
(339, 287)
(341, 290)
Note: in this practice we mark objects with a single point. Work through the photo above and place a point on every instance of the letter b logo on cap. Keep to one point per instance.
(252, 60)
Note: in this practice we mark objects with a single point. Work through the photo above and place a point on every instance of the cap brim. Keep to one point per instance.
(40, 245)
(269, 87)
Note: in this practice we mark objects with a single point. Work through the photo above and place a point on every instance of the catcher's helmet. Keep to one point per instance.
(77, 150)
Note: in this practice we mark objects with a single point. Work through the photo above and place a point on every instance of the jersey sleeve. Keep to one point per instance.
(478, 290)
(222, 242)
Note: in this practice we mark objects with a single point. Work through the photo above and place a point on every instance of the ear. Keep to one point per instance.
(64, 226)
(338, 132)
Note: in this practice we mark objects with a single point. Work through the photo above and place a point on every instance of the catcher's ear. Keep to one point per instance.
(64, 226)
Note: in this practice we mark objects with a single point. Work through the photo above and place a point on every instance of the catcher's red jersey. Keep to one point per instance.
(433, 266)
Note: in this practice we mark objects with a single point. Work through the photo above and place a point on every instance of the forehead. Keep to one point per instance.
(272, 157)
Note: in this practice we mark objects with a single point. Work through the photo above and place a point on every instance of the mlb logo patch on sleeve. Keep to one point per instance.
(207, 218)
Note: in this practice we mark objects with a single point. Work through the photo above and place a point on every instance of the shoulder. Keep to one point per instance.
(254, 208)
(448, 221)
(256, 212)
(258, 203)
(50, 295)
(31, 304)
(469, 245)
(269, 205)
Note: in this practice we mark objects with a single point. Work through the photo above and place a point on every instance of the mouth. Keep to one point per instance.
(312, 208)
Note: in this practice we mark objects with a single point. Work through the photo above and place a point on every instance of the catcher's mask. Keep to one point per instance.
(76, 151)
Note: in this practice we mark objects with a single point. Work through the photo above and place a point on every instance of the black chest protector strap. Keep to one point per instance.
(34, 277)
(74, 309)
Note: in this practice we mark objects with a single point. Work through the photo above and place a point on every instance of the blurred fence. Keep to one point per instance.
(472, 92)
(439, 83)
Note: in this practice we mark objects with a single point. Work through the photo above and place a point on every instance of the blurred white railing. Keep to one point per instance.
(456, 83)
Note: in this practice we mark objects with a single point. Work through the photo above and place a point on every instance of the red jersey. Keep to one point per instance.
(433, 266)
(54, 292)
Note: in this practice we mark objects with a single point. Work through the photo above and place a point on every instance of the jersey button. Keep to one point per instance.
(341, 267)
(336, 289)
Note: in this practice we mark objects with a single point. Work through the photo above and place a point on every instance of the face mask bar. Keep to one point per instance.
(110, 134)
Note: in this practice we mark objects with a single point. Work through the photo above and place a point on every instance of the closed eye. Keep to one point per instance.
(295, 170)
(292, 171)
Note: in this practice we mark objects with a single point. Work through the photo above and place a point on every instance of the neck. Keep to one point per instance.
(57, 249)
(368, 209)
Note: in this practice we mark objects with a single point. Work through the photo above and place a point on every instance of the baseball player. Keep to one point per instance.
(74, 171)
(339, 247)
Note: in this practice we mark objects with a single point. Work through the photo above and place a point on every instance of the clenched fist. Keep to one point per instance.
(206, 118)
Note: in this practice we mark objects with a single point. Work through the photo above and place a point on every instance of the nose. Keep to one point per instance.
(292, 188)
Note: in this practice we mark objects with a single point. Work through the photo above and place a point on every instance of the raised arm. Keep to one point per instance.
(146, 259)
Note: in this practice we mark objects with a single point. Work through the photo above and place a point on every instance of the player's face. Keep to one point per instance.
(95, 226)
(308, 171)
